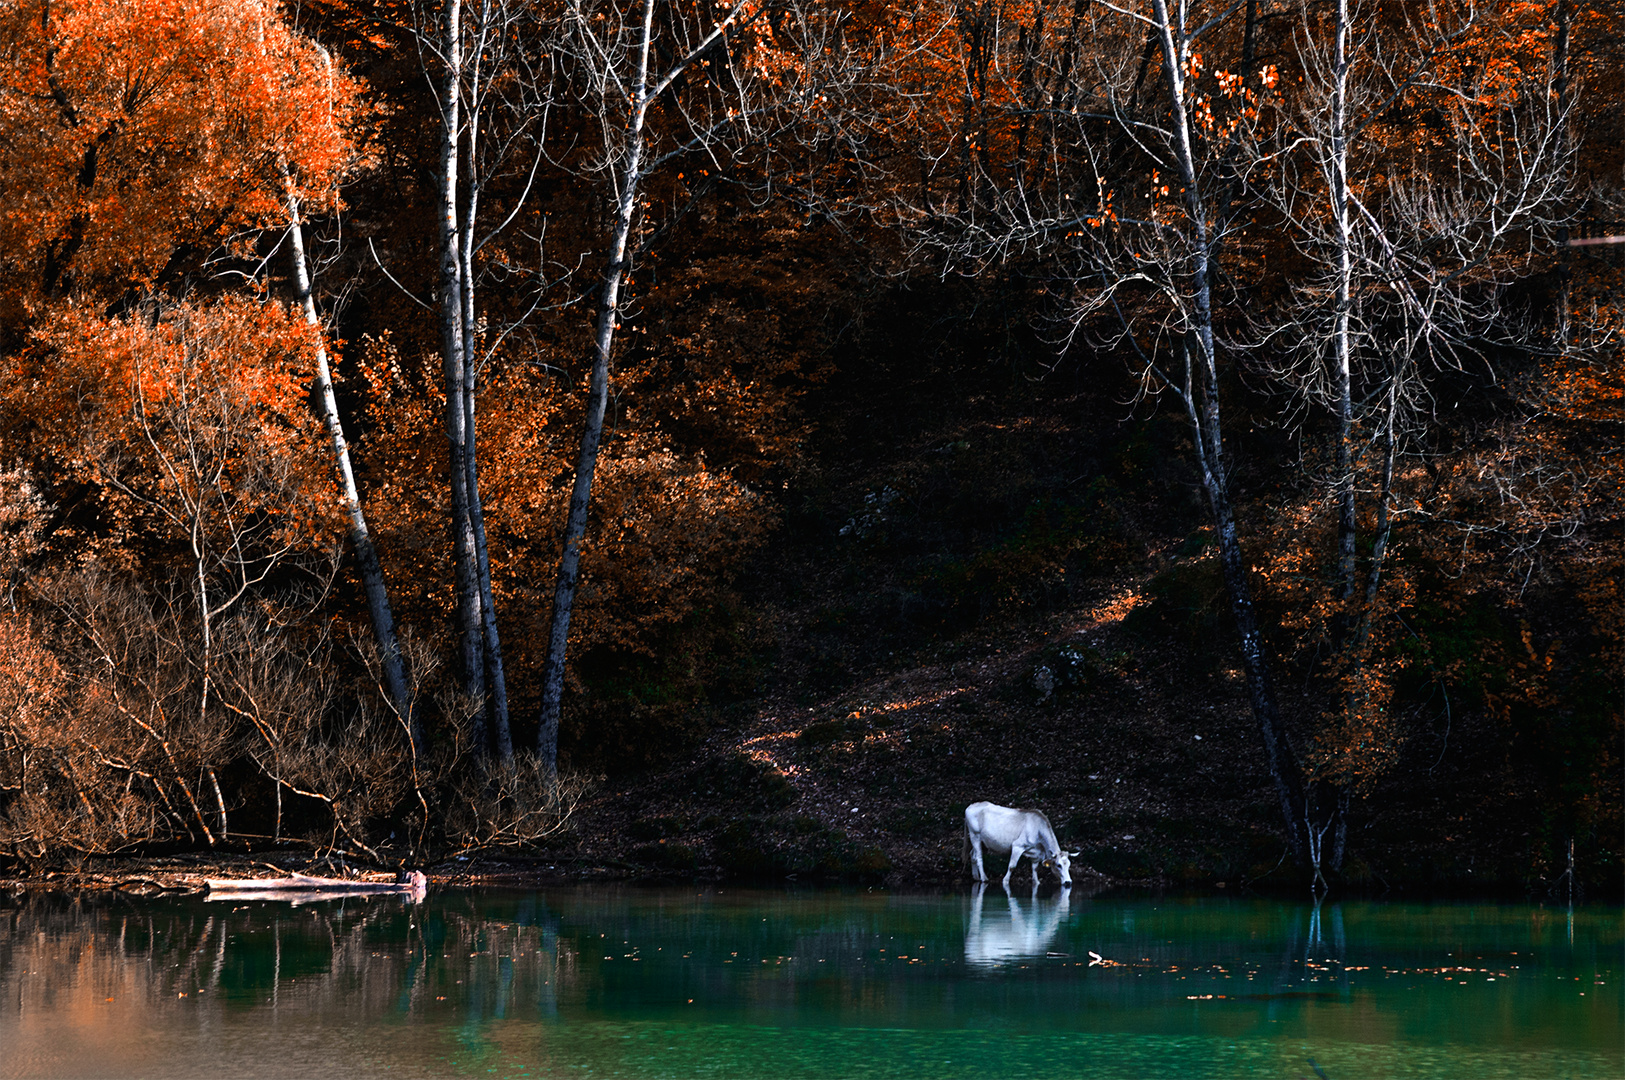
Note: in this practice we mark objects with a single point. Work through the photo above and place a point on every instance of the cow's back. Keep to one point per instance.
(999, 828)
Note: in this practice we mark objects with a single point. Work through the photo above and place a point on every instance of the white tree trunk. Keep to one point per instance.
(491, 640)
(470, 618)
(366, 552)
(1336, 167)
(1201, 396)
(547, 736)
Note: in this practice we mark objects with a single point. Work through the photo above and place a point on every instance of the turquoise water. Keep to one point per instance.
(720, 982)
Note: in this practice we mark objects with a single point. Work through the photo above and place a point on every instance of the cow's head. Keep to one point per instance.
(1063, 866)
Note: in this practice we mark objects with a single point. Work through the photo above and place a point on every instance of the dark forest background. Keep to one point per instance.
(1264, 364)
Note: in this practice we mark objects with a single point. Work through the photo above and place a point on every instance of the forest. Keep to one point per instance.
(435, 428)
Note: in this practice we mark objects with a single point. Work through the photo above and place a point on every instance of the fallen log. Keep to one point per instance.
(304, 886)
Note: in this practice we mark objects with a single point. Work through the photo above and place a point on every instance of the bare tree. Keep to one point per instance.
(1409, 250)
(1135, 199)
(196, 435)
(667, 81)
(391, 661)
(1204, 170)
(189, 462)
(1127, 203)
(493, 105)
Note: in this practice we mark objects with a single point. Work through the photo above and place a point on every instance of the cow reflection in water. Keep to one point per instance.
(1013, 931)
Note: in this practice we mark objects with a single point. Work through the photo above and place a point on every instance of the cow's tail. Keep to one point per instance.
(964, 853)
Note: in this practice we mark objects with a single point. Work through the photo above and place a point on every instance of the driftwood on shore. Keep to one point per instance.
(305, 887)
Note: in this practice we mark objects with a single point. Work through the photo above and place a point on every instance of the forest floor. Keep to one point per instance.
(1147, 760)
(1147, 764)
(1155, 779)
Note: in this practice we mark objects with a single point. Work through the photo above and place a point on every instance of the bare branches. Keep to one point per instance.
(514, 805)
(103, 743)
(735, 81)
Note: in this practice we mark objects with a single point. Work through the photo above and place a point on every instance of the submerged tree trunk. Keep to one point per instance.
(366, 553)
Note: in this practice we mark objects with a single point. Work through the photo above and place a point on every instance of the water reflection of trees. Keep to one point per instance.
(458, 969)
(1312, 960)
(361, 958)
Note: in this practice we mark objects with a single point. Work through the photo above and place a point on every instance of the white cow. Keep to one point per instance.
(1002, 829)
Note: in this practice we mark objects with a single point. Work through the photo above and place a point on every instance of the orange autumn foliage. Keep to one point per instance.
(140, 134)
(185, 427)
(1355, 732)
(143, 147)
(665, 523)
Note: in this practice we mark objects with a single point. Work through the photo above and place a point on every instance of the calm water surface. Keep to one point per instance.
(709, 982)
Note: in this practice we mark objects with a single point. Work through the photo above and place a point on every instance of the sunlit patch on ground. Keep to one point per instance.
(1114, 610)
(922, 699)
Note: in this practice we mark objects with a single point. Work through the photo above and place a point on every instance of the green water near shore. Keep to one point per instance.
(708, 982)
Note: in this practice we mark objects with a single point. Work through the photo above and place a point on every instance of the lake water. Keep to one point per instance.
(702, 981)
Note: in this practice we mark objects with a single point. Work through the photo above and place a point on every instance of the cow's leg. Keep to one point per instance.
(978, 872)
(973, 842)
(1015, 859)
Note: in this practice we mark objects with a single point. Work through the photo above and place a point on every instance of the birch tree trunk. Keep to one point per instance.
(628, 155)
(490, 639)
(1563, 19)
(470, 617)
(1350, 629)
(575, 526)
(1336, 164)
(501, 732)
(366, 552)
(1201, 397)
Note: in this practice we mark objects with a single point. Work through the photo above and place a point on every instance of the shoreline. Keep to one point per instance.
(186, 874)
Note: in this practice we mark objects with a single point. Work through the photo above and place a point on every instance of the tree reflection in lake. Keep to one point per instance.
(1310, 967)
(736, 982)
(136, 986)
